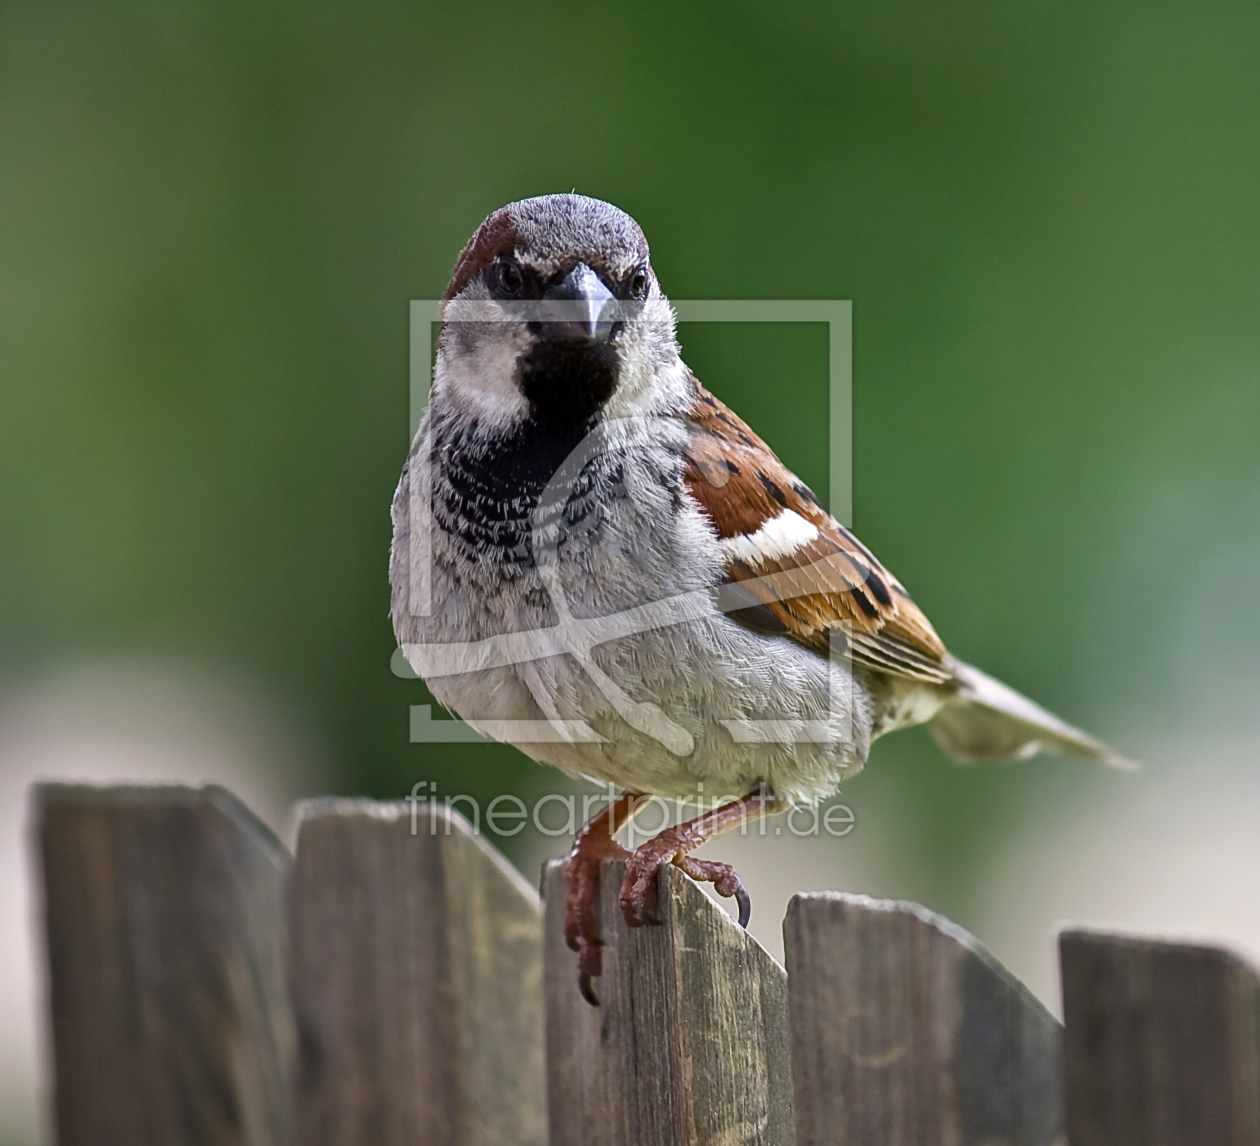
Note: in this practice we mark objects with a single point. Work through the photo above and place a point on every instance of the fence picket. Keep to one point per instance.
(1163, 1042)
(390, 984)
(417, 981)
(689, 1045)
(906, 1032)
(164, 916)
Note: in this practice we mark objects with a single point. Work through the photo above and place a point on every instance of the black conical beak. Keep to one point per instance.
(579, 308)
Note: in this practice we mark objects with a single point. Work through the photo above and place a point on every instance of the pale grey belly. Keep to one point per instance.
(701, 708)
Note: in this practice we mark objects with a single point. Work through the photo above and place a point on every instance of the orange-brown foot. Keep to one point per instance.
(581, 906)
(638, 889)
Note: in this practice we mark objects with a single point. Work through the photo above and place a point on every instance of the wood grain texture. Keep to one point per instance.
(1162, 1045)
(689, 1045)
(906, 1032)
(164, 910)
(417, 971)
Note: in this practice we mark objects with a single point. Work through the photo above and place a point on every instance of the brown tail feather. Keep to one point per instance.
(986, 720)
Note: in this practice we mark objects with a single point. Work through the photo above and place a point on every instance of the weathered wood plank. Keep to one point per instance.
(164, 910)
(689, 1045)
(906, 1032)
(1162, 1046)
(417, 971)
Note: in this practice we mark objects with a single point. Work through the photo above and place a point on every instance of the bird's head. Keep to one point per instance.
(554, 314)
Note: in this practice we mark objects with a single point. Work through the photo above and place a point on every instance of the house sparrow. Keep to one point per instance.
(598, 561)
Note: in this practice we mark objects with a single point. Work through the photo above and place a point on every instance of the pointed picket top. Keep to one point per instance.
(907, 1032)
(1163, 1041)
(417, 982)
(164, 924)
(689, 1044)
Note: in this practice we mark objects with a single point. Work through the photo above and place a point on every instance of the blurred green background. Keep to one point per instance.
(212, 217)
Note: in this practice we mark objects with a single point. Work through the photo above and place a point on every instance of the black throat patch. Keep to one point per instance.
(565, 385)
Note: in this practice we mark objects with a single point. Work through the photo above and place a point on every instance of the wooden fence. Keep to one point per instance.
(395, 981)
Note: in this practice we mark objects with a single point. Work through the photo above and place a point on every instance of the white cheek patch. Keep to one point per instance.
(482, 380)
(779, 537)
(643, 385)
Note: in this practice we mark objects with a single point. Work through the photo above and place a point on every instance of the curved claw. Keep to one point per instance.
(581, 908)
(590, 964)
(725, 880)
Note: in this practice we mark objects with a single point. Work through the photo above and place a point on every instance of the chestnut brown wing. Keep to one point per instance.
(790, 565)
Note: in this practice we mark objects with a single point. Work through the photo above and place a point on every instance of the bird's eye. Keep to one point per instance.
(638, 284)
(510, 276)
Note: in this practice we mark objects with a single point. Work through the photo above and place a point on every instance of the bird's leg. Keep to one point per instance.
(593, 845)
(638, 890)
